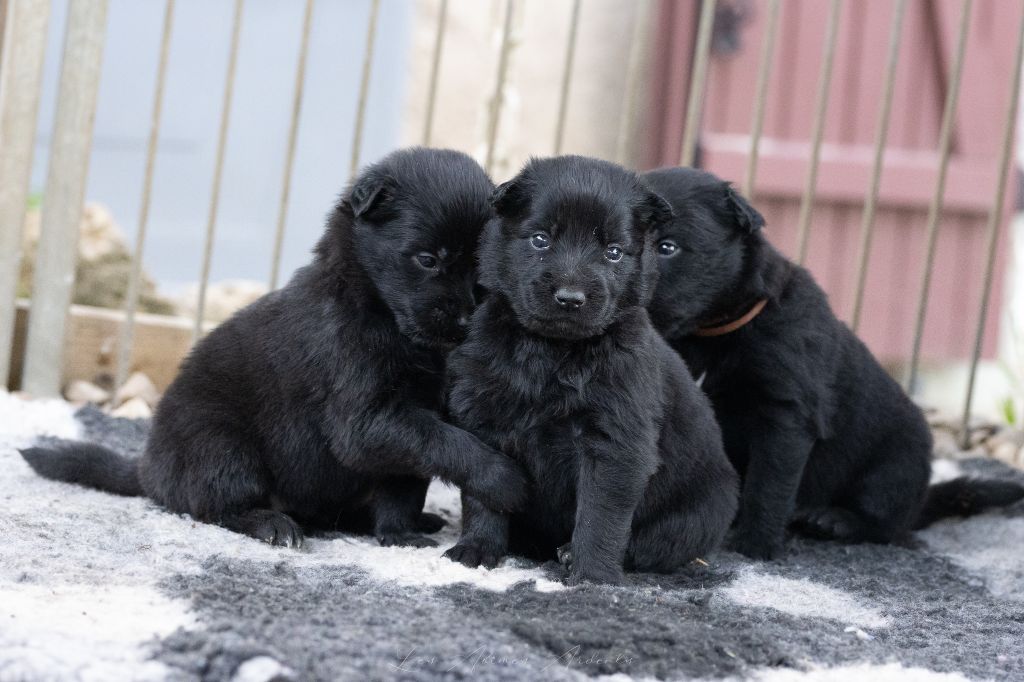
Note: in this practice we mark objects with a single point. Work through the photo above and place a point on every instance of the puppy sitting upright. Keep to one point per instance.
(563, 372)
(318, 405)
(822, 435)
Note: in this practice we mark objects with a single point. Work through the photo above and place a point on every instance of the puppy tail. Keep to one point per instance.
(86, 464)
(966, 496)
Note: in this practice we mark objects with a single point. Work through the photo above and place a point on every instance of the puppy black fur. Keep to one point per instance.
(563, 372)
(318, 405)
(822, 436)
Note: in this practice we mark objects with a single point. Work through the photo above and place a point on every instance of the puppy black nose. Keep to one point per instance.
(570, 298)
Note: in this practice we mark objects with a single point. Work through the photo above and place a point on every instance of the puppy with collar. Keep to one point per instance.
(824, 439)
(563, 372)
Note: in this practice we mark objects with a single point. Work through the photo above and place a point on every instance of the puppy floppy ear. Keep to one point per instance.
(509, 198)
(370, 193)
(653, 211)
(747, 218)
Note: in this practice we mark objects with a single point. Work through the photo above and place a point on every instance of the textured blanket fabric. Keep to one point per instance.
(96, 587)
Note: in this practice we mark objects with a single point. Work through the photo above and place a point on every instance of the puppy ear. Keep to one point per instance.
(653, 211)
(370, 193)
(509, 198)
(746, 216)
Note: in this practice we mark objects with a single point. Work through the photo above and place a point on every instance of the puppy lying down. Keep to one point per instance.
(825, 439)
(563, 372)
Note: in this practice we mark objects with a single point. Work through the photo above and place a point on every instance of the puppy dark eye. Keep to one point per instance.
(540, 241)
(613, 253)
(427, 261)
(667, 248)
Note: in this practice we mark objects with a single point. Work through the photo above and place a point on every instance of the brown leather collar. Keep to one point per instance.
(722, 329)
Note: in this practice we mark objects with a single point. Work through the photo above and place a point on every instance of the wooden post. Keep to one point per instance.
(21, 72)
(64, 195)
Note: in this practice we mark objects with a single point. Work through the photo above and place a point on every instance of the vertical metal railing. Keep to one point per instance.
(364, 88)
(64, 194)
(293, 136)
(995, 216)
(881, 136)
(21, 65)
(498, 98)
(126, 339)
(218, 169)
(935, 208)
(563, 93)
(764, 71)
(818, 133)
(698, 77)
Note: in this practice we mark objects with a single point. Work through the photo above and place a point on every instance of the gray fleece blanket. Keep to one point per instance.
(96, 587)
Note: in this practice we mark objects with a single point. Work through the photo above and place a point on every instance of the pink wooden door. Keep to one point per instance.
(908, 181)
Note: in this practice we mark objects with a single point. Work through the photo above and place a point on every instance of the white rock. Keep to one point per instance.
(223, 299)
(138, 386)
(136, 408)
(86, 392)
(1007, 452)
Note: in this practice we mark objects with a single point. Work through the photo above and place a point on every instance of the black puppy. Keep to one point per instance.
(563, 372)
(822, 435)
(319, 403)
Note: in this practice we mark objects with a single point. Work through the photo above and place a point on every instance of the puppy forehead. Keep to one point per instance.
(584, 213)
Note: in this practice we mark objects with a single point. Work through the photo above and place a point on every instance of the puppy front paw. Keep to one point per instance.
(404, 539)
(501, 485)
(578, 573)
(472, 554)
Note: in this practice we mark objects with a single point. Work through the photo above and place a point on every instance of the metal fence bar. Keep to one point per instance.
(21, 69)
(935, 208)
(126, 339)
(218, 169)
(632, 90)
(871, 201)
(563, 95)
(995, 216)
(764, 71)
(435, 71)
(364, 88)
(821, 108)
(698, 77)
(293, 135)
(499, 86)
(54, 276)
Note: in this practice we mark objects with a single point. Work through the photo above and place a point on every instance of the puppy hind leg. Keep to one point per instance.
(225, 482)
(882, 506)
(398, 517)
(678, 538)
(273, 527)
(831, 523)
